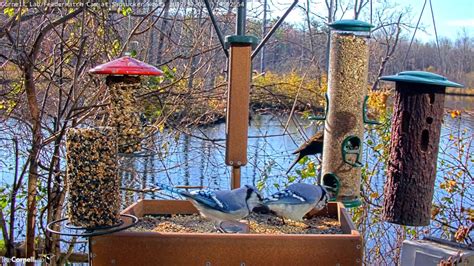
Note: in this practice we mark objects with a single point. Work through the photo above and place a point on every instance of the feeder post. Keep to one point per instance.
(238, 98)
(416, 128)
(344, 120)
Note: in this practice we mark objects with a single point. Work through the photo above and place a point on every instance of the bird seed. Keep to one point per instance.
(93, 182)
(347, 88)
(258, 223)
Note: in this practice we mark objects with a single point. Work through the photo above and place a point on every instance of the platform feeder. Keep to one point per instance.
(123, 81)
(345, 115)
(416, 127)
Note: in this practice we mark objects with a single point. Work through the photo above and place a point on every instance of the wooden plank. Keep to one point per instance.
(238, 105)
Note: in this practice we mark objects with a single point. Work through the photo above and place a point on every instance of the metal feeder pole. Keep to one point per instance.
(416, 128)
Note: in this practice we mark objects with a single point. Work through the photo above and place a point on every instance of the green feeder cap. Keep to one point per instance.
(423, 78)
(241, 39)
(351, 25)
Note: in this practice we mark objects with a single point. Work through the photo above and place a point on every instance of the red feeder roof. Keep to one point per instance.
(126, 66)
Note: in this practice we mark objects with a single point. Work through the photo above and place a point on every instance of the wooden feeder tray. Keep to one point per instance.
(158, 248)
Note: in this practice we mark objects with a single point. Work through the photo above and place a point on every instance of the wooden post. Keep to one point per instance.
(416, 128)
(238, 108)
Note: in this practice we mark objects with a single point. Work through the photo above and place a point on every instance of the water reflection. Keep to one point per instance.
(197, 158)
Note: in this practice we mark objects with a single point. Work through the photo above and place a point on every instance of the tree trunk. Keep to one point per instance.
(163, 28)
(416, 127)
(34, 154)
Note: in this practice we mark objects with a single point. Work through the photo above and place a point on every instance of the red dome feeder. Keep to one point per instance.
(123, 81)
(126, 66)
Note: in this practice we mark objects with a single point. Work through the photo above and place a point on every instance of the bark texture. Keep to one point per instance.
(416, 127)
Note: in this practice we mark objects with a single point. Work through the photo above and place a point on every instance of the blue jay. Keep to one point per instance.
(223, 205)
(297, 200)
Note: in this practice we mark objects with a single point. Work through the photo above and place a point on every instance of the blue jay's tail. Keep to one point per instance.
(171, 189)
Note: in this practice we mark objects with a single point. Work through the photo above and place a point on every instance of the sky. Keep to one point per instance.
(451, 16)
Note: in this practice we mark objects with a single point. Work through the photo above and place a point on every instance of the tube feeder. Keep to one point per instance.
(345, 108)
(416, 128)
(122, 81)
(238, 97)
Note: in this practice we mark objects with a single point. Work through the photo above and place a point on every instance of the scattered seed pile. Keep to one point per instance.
(124, 115)
(259, 224)
(347, 88)
(93, 183)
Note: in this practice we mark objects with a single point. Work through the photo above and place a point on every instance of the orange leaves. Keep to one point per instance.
(461, 233)
(455, 113)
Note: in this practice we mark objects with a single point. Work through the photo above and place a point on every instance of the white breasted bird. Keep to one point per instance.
(297, 200)
(221, 205)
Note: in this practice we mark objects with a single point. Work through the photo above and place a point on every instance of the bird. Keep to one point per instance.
(312, 146)
(221, 205)
(297, 200)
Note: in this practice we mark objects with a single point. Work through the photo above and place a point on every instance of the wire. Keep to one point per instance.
(414, 33)
(436, 36)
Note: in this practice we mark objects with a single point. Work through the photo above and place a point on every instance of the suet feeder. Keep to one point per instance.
(416, 127)
(345, 115)
(123, 81)
(240, 66)
(93, 183)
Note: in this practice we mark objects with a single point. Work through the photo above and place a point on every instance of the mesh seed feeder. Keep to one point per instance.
(416, 128)
(346, 104)
(122, 81)
(93, 183)
(93, 202)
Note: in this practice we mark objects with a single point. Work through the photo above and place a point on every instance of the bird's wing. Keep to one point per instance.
(285, 197)
(210, 199)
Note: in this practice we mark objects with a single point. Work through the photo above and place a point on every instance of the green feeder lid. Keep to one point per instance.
(423, 78)
(351, 25)
(242, 39)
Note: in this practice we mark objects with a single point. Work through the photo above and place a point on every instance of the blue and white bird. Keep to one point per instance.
(297, 200)
(221, 205)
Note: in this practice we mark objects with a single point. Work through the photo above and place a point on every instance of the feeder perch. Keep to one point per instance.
(122, 81)
(346, 104)
(240, 64)
(352, 146)
(416, 127)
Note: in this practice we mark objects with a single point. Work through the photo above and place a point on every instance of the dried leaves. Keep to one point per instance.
(93, 183)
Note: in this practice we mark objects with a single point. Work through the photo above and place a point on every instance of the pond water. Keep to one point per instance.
(196, 158)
